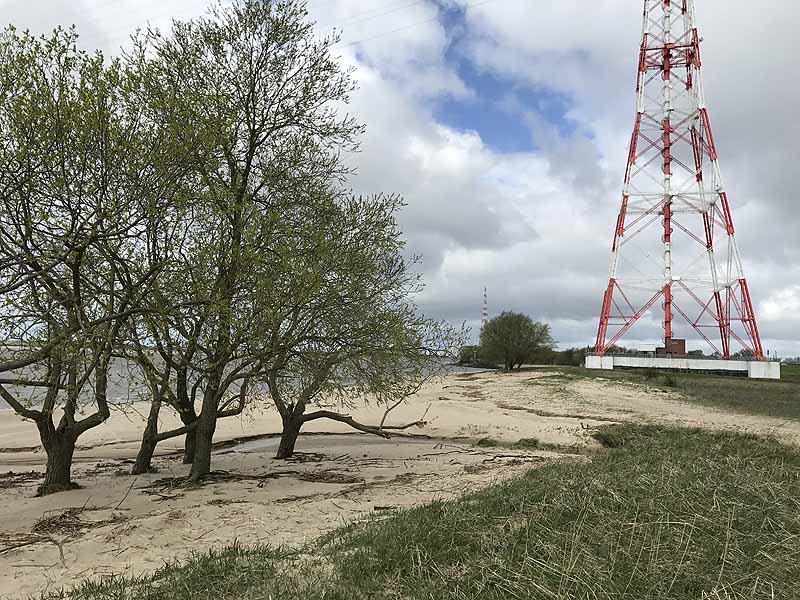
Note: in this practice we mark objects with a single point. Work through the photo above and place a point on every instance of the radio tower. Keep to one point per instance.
(485, 312)
(674, 241)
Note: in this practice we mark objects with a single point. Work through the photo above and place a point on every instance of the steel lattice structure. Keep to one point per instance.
(673, 185)
(485, 310)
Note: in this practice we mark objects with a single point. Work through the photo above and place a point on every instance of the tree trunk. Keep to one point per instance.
(291, 429)
(188, 417)
(144, 458)
(60, 448)
(204, 432)
(189, 447)
(149, 438)
(185, 408)
(204, 441)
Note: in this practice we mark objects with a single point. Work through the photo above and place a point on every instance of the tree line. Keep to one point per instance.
(184, 207)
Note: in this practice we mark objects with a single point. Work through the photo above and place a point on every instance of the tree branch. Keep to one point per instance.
(371, 429)
(34, 415)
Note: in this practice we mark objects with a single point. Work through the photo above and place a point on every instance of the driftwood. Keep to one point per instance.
(158, 487)
(12, 479)
(381, 429)
(66, 524)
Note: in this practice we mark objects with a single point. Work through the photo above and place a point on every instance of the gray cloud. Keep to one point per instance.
(536, 228)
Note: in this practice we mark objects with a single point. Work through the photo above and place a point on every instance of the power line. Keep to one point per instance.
(371, 14)
(113, 34)
(123, 32)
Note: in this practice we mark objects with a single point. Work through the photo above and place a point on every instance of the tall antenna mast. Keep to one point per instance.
(674, 240)
(485, 312)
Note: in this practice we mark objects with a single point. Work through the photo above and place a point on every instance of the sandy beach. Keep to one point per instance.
(120, 523)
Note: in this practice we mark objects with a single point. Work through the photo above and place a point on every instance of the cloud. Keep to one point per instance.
(535, 225)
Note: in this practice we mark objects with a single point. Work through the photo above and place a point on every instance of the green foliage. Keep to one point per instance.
(573, 357)
(277, 276)
(82, 180)
(351, 331)
(472, 356)
(513, 339)
(185, 207)
(468, 355)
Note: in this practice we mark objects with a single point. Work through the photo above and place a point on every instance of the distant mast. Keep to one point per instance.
(485, 312)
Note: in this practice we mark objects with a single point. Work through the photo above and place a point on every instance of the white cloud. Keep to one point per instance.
(536, 227)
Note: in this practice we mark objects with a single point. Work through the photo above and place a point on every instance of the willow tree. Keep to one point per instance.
(267, 95)
(343, 328)
(77, 185)
(514, 338)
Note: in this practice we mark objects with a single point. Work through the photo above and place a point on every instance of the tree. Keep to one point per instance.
(573, 357)
(77, 185)
(346, 329)
(468, 355)
(514, 338)
(252, 100)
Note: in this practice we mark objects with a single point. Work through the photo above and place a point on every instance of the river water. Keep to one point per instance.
(126, 385)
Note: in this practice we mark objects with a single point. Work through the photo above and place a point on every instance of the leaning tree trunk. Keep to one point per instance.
(60, 448)
(144, 458)
(147, 448)
(291, 429)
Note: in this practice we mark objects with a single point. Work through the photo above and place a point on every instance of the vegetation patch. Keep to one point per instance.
(526, 444)
(780, 399)
(551, 379)
(547, 414)
(665, 513)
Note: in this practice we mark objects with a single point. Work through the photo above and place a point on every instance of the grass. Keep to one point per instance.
(780, 399)
(521, 444)
(661, 513)
(791, 373)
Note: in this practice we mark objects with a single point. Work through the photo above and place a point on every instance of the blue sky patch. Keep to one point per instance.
(497, 110)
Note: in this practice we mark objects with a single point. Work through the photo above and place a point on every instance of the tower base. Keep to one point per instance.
(753, 368)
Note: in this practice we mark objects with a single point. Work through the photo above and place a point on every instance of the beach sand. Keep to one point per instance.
(123, 523)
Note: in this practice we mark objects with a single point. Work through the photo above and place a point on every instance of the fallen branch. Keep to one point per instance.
(522, 457)
(379, 430)
(348, 420)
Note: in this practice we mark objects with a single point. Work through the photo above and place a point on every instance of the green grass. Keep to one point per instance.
(780, 399)
(661, 513)
(521, 444)
(791, 373)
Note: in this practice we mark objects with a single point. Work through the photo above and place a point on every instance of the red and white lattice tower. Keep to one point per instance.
(485, 311)
(674, 243)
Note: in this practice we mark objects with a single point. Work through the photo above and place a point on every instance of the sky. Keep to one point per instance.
(505, 124)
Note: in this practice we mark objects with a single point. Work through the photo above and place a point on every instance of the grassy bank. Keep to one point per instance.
(780, 399)
(660, 513)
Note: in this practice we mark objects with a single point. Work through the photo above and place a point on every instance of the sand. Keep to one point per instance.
(134, 524)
